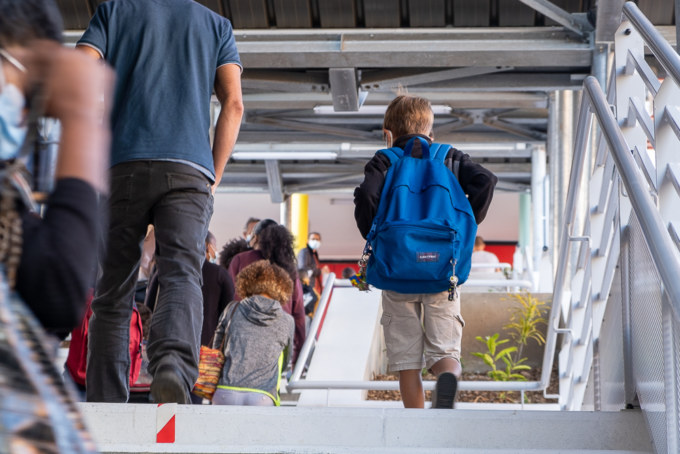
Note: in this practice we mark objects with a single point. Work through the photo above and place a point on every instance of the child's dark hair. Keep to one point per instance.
(276, 245)
(229, 250)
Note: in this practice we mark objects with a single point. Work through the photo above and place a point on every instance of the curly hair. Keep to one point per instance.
(24, 20)
(275, 243)
(229, 250)
(262, 277)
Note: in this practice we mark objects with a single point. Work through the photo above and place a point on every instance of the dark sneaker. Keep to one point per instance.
(445, 391)
(168, 387)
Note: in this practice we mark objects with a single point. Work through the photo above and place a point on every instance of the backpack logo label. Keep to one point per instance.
(427, 257)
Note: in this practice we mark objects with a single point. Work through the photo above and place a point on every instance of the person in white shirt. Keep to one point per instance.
(479, 255)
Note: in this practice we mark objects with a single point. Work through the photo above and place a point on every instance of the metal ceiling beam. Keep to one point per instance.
(388, 79)
(574, 22)
(274, 181)
(363, 151)
(413, 48)
(608, 19)
(458, 100)
(310, 127)
(521, 131)
(259, 79)
(344, 89)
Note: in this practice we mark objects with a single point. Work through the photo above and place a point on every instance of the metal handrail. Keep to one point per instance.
(661, 49)
(664, 251)
(303, 357)
(575, 179)
(475, 266)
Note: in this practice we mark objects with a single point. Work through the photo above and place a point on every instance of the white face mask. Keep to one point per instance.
(314, 244)
(12, 102)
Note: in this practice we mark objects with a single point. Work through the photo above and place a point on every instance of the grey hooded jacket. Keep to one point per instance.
(258, 333)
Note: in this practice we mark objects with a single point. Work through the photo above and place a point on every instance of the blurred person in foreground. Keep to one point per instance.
(39, 77)
(168, 56)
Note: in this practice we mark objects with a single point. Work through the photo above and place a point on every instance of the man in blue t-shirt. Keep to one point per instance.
(168, 55)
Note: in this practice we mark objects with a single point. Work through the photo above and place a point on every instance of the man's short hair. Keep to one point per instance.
(313, 233)
(409, 115)
(210, 238)
(24, 20)
(251, 220)
(479, 241)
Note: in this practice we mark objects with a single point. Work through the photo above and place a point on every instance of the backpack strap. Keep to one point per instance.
(424, 146)
(393, 154)
(439, 151)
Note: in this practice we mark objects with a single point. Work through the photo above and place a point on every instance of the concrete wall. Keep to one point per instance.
(486, 314)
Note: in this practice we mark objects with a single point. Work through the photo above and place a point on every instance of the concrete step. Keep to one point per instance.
(119, 428)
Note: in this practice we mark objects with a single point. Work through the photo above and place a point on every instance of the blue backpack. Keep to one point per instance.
(422, 235)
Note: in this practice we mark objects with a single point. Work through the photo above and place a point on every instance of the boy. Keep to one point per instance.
(421, 330)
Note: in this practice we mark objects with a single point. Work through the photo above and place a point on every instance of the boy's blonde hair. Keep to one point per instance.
(409, 115)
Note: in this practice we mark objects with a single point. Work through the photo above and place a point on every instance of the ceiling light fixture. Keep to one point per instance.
(284, 155)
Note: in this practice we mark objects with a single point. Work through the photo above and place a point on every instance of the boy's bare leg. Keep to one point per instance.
(411, 388)
(446, 365)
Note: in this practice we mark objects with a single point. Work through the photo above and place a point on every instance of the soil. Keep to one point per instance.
(479, 396)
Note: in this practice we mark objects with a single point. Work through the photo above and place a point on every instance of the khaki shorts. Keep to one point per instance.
(420, 329)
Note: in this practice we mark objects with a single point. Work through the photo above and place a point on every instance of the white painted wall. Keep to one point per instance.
(333, 216)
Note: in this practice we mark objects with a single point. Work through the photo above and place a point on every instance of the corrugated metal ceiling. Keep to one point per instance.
(249, 14)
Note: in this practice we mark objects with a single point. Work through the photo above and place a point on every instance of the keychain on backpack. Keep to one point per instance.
(359, 279)
(453, 283)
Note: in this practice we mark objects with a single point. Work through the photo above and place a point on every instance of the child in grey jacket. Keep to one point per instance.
(256, 336)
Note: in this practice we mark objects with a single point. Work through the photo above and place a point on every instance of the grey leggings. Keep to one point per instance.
(233, 397)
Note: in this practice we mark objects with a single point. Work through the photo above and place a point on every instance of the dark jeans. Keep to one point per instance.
(176, 199)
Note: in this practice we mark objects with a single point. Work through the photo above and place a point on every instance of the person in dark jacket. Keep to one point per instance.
(51, 260)
(274, 242)
(421, 330)
(256, 336)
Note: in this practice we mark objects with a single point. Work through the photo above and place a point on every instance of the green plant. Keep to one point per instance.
(493, 355)
(525, 322)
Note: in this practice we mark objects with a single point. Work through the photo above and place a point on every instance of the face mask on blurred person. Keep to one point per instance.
(314, 244)
(12, 102)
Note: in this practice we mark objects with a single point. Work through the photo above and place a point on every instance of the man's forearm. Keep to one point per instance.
(226, 132)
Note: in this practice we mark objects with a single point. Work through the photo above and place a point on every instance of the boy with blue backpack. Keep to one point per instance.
(418, 208)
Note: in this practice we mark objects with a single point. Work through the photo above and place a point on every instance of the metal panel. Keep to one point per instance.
(646, 333)
(337, 13)
(292, 13)
(611, 354)
(660, 12)
(512, 13)
(383, 13)
(249, 13)
(472, 13)
(427, 13)
(76, 15)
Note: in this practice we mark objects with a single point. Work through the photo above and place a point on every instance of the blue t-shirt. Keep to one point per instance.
(165, 54)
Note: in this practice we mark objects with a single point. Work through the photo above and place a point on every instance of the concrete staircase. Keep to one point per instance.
(119, 428)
